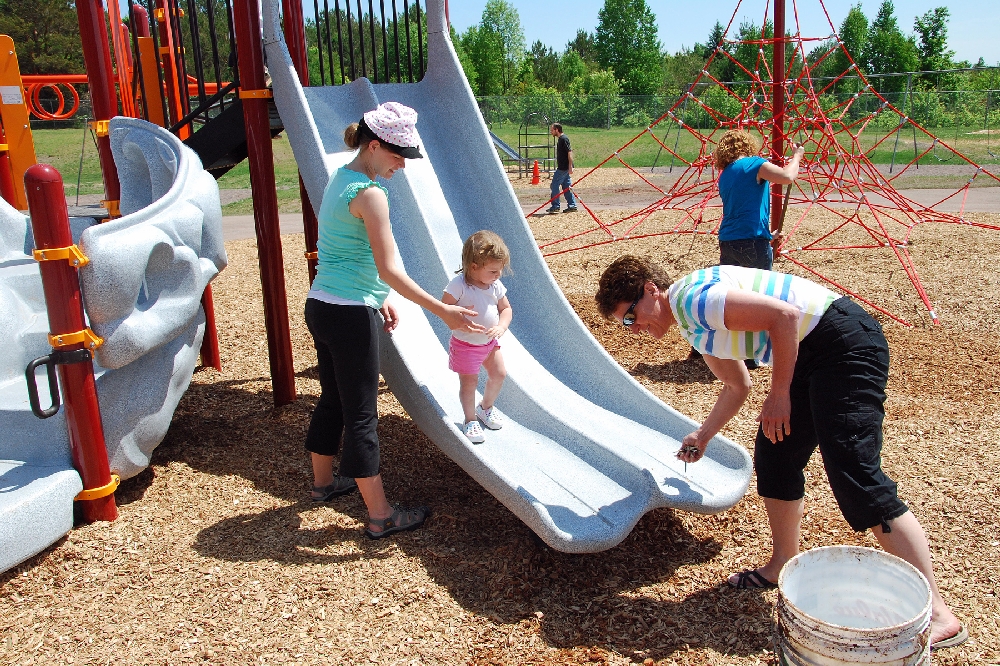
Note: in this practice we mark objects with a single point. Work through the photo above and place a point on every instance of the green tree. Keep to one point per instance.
(46, 35)
(932, 30)
(627, 44)
(463, 58)
(715, 38)
(571, 67)
(496, 47)
(545, 65)
(854, 41)
(585, 46)
(889, 51)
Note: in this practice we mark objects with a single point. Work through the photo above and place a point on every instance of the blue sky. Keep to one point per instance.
(972, 28)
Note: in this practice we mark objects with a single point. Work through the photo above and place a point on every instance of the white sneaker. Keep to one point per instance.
(491, 418)
(474, 432)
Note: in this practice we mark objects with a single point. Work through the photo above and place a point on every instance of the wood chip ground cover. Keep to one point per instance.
(219, 557)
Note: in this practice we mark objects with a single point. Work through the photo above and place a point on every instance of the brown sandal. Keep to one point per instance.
(751, 579)
(401, 520)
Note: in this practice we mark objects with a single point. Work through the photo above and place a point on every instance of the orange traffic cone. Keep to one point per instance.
(535, 178)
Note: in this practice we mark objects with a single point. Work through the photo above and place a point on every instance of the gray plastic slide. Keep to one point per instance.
(502, 145)
(142, 293)
(586, 450)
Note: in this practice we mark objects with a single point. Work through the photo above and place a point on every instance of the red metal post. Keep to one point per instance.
(210, 357)
(141, 21)
(295, 38)
(61, 285)
(250, 58)
(778, 107)
(101, 79)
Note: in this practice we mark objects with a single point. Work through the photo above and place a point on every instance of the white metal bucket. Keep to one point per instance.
(851, 605)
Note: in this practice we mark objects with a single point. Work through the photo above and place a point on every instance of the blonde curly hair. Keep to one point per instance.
(733, 145)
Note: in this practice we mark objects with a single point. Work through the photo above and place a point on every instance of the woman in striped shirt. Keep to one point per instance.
(830, 365)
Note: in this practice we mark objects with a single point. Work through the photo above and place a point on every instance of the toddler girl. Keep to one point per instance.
(477, 287)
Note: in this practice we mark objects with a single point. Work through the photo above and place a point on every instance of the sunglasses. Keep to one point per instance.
(629, 317)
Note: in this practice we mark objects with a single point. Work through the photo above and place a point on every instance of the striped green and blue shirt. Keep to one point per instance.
(698, 302)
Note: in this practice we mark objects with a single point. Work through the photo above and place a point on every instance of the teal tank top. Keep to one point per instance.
(346, 267)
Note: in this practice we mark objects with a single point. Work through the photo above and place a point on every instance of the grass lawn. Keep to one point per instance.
(592, 146)
(62, 149)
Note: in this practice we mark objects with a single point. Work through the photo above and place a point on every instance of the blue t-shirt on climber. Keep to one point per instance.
(746, 206)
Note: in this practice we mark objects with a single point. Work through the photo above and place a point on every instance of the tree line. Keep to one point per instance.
(624, 56)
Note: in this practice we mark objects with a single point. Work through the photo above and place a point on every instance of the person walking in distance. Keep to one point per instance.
(561, 181)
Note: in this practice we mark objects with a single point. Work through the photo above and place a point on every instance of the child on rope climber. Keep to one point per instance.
(477, 287)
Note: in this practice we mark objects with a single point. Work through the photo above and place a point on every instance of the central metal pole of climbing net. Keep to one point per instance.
(778, 107)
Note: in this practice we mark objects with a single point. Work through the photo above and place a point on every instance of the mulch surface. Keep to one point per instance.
(219, 557)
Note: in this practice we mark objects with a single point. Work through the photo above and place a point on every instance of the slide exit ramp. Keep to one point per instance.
(508, 151)
(586, 450)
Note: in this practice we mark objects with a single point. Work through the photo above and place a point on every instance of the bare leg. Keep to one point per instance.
(785, 519)
(467, 395)
(374, 496)
(496, 373)
(907, 541)
(322, 470)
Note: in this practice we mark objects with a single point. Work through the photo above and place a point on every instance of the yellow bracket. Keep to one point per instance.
(98, 493)
(112, 206)
(312, 255)
(161, 14)
(72, 254)
(4, 148)
(86, 336)
(256, 94)
(100, 127)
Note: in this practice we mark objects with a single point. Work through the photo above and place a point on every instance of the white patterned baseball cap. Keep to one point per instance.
(396, 126)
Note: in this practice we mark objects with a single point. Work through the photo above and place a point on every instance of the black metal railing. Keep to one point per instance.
(345, 43)
(205, 49)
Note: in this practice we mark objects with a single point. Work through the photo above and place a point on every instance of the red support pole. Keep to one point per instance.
(778, 107)
(210, 357)
(141, 21)
(61, 285)
(101, 80)
(250, 58)
(295, 38)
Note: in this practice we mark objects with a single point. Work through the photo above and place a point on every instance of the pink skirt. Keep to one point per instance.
(466, 358)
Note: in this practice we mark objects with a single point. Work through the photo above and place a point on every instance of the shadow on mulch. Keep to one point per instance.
(685, 371)
(489, 562)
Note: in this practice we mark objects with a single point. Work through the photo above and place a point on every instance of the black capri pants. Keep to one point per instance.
(838, 396)
(347, 351)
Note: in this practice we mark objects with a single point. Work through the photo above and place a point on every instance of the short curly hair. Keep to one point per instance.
(482, 247)
(733, 145)
(624, 279)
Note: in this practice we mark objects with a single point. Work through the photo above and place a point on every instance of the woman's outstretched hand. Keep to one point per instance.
(459, 319)
(389, 316)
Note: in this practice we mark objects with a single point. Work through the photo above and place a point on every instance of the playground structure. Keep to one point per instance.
(574, 483)
(142, 277)
(841, 132)
(579, 462)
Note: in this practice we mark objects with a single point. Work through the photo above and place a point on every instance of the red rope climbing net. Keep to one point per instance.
(840, 132)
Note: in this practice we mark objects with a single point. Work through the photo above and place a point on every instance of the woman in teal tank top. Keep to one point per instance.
(347, 305)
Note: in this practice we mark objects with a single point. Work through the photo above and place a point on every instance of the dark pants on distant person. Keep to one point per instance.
(748, 252)
(346, 339)
(561, 181)
(838, 403)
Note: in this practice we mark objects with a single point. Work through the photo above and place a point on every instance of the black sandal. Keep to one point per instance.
(401, 520)
(752, 580)
(341, 486)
